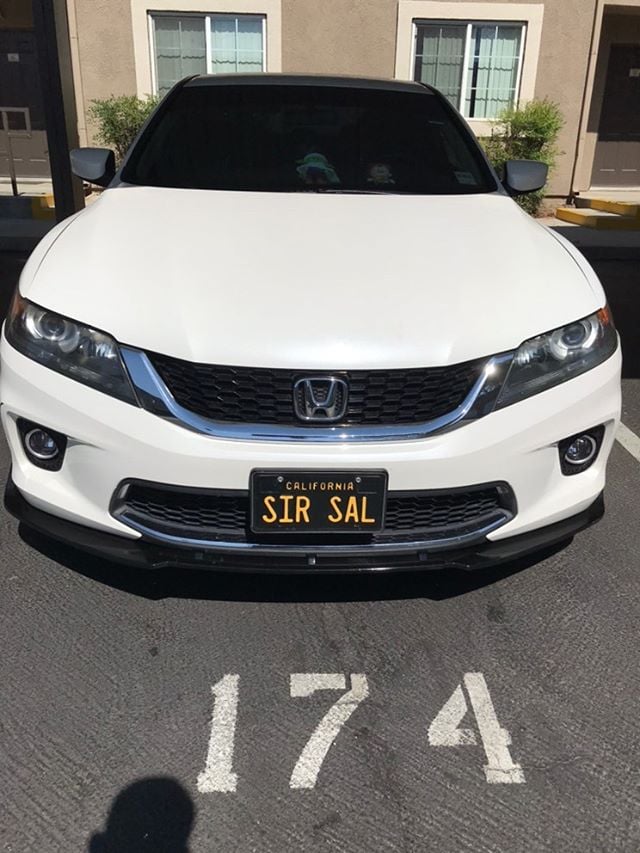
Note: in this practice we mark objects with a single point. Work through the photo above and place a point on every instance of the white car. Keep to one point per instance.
(306, 328)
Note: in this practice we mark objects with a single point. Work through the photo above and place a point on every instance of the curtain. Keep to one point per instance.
(492, 69)
(180, 48)
(236, 44)
(440, 58)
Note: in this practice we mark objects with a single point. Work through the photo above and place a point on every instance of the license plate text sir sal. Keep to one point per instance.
(318, 501)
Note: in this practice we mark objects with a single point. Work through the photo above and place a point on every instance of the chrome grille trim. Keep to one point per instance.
(155, 397)
(231, 547)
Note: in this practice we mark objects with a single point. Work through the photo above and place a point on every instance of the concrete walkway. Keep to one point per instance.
(598, 245)
(627, 196)
(26, 186)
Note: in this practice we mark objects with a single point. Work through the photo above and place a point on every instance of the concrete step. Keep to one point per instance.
(42, 207)
(620, 208)
(600, 219)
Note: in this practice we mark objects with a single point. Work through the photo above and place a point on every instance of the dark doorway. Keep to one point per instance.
(22, 122)
(617, 158)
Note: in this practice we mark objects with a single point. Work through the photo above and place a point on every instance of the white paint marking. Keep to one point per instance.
(629, 440)
(495, 740)
(444, 730)
(305, 773)
(303, 684)
(218, 774)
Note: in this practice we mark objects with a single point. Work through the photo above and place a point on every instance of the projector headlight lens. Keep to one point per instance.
(77, 351)
(548, 360)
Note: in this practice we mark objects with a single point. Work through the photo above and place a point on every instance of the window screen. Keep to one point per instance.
(440, 58)
(492, 64)
(236, 44)
(180, 48)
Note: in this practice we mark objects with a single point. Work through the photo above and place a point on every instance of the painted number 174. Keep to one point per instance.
(218, 774)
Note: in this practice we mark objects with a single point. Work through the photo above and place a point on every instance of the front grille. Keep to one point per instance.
(187, 511)
(200, 514)
(256, 395)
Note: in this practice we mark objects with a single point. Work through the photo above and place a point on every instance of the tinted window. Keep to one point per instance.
(307, 138)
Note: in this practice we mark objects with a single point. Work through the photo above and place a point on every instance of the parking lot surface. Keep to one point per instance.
(444, 712)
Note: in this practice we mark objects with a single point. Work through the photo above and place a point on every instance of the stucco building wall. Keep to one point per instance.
(339, 37)
(562, 72)
(102, 54)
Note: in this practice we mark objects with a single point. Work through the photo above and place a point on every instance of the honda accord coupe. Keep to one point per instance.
(307, 328)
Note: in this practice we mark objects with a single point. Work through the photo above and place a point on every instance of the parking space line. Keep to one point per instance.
(629, 440)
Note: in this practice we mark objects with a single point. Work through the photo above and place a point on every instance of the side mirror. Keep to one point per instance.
(524, 176)
(96, 165)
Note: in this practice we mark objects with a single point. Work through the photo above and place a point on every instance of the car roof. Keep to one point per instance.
(343, 82)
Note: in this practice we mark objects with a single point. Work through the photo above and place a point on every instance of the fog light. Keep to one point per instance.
(44, 447)
(41, 444)
(579, 452)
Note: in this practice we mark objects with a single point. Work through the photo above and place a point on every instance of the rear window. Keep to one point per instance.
(307, 139)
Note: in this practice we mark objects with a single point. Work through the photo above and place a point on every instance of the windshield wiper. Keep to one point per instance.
(340, 191)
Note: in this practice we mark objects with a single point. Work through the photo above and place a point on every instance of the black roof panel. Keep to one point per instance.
(306, 80)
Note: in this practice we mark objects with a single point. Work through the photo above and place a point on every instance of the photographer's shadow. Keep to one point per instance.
(154, 815)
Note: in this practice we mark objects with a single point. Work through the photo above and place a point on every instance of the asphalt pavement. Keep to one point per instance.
(444, 712)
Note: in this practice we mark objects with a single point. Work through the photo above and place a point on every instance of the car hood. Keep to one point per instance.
(310, 280)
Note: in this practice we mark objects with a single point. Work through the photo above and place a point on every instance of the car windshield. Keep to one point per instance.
(307, 138)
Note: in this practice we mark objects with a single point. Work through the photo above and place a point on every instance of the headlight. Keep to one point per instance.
(77, 351)
(550, 359)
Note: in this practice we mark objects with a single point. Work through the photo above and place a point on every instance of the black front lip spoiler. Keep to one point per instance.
(148, 554)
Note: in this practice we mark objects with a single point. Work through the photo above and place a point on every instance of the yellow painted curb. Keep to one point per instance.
(581, 216)
(622, 208)
(42, 207)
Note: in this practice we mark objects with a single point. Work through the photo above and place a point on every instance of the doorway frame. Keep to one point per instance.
(593, 96)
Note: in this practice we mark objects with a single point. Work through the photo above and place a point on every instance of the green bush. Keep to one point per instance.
(119, 119)
(529, 132)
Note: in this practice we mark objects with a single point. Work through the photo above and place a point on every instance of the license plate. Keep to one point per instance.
(318, 501)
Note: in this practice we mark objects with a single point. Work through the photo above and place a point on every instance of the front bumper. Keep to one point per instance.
(146, 554)
(110, 441)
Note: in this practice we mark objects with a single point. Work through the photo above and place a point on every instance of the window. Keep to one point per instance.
(180, 49)
(307, 138)
(475, 65)
(206, 44)
(237, 44)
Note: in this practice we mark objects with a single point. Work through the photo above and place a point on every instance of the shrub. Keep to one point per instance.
(529, 132)
(119, 119)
